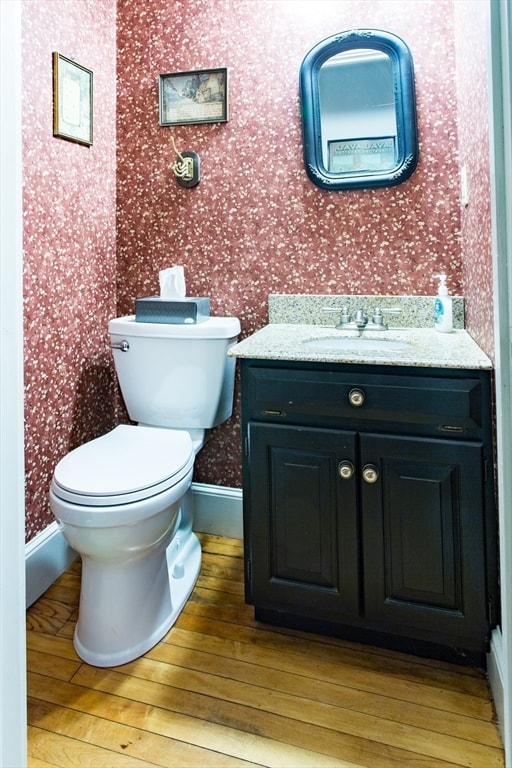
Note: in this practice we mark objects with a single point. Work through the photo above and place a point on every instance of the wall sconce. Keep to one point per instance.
(187, 168)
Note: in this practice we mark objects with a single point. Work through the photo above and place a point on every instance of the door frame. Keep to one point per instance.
(13, 696)
(500, 134)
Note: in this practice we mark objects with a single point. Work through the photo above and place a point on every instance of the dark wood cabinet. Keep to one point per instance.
(368, 503)
(304, 523)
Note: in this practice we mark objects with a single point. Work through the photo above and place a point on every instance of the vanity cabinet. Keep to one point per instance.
(368, 503)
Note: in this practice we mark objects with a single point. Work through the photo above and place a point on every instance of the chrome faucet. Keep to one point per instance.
(360, 321)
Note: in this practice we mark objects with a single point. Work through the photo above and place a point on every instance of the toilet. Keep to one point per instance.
(123, 501)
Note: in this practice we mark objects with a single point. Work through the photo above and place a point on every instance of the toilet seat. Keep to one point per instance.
(128, 464)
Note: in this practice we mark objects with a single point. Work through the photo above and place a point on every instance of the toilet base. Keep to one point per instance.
(182, 565)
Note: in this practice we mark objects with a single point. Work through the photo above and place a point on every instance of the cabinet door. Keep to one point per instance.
(302, 520)
(423, 538)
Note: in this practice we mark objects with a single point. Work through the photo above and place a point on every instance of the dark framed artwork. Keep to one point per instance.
(200, 96)
(72, 100)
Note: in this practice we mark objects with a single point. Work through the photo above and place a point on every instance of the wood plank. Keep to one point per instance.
(218, 545)
(66, 752)
(51, 665)
(61, 647)
(221, 585)
(227, 741)
(48, 615)
(258, 667)
(256, 712)
(126, 739)
(342, 672)
(225, 690)
(316, 713)
(394, 668)
(37, 762)
(236, 613)
(210, 566)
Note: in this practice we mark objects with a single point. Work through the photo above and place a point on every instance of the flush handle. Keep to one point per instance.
(370, 473)
(356, 397)
(123, 345)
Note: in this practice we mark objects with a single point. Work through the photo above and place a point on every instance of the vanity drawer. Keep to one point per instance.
(444, 404)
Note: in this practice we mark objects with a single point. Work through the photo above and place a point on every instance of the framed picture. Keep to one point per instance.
(194, 97)
(72, 100)
(375, 154)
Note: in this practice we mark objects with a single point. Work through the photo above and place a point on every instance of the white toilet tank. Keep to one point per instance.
(176, 376)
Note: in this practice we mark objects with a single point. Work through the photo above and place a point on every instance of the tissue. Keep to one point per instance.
(172, 283)
(172, 306)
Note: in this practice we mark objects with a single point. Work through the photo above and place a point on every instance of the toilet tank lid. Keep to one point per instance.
(213, 328)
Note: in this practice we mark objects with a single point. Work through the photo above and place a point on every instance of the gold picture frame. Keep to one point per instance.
(72, 100)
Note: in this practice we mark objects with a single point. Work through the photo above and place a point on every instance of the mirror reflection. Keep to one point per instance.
(357, 102)
(358, 110)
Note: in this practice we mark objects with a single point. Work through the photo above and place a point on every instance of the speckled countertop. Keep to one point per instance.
(423, 347)
(302, 328)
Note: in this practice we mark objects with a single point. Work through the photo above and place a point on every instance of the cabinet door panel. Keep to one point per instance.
(423, 534)
(304, 552)
(303, 535)
(422, 542)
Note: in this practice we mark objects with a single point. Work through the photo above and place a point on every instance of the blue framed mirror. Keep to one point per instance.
(358, 109)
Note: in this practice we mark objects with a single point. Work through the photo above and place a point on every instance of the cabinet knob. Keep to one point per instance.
(346, 470)
(370, 473)
(356, 397)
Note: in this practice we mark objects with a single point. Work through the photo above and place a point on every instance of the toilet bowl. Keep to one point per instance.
(123, 501)
(119, 501)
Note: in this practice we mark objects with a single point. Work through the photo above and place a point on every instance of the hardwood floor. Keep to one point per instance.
(223, 690)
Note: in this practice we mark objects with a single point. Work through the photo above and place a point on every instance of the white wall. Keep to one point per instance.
(501, 185)
(13, 721)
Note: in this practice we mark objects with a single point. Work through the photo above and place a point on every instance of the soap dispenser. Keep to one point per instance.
(443, 316)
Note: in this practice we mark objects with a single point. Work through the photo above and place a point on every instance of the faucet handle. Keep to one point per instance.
(378, 315)
(345, 317)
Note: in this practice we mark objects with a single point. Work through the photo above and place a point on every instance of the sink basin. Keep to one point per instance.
(355, 344)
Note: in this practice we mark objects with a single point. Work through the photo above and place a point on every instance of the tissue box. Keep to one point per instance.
(155, 309)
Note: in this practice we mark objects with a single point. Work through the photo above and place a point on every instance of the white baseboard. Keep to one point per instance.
(496, 677)
(47, 555)
(217, 510)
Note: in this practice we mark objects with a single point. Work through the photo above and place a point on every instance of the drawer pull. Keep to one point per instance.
(346, 470)
(268, 412)
(370, 473)
(356, 397)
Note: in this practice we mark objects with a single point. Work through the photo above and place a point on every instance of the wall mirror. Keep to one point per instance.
(359, 111)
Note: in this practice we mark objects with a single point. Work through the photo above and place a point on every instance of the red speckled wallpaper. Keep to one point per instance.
(69, 244)
(471, 26)
(101, 222)
(255, 224)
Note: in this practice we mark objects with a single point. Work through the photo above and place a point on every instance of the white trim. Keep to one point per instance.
(13, 717)
(47, 555)
(496, 676)
(500, 134)
(217, 510)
